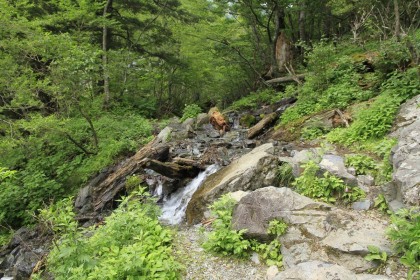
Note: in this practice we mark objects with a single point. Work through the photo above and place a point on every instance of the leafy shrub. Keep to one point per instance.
(405, 234)
(362, 163)
(375, 254)
(130, 245)
(327, 188)
(226, 241)
(256, 99)
(310, 133)
(190, 111)
(223, 239)
(381, 204)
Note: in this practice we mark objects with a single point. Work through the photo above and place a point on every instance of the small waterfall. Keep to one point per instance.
(173, 209)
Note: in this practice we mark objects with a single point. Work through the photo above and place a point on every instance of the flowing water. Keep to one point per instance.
(173, 209)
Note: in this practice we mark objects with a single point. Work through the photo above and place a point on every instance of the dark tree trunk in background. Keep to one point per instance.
(105, 41)
(397, 20)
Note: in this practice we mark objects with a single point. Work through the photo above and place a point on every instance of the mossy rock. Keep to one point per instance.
(247, 120)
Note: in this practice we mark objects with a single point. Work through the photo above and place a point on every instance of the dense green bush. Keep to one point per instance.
(190, 111)
(405, 234)
(362, 163)
(131, 244)
(327, 188)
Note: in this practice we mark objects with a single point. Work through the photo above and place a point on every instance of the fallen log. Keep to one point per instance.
(286, 79)
(172, 170)
(188, 162)
(261, 125)
(103, 189)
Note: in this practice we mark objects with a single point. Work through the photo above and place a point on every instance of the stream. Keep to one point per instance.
(173, 208)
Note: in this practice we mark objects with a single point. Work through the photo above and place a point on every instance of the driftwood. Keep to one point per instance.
(261, 125)
(286, 79)
(109, 186)
(218, 121)
(172, 170)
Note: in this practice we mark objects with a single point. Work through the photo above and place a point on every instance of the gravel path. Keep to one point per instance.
(200, 265)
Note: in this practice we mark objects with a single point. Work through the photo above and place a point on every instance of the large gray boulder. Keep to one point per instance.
(252, 171)
(317, 270)
(317, 231)
(406, 155)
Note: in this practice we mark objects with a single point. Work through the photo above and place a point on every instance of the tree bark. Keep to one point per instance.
(397, 20)
(302, 36)
(261, 125)
(105, 39)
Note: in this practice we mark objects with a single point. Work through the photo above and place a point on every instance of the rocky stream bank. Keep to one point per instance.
(323, 241)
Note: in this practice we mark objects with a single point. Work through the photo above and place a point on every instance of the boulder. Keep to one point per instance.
(252, 171)
(302, 157)
(335, 165)
(316, 231)
(406, 155)
(317, 270)
(202, 118)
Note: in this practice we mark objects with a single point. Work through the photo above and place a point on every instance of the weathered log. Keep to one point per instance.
(172, 170)
(105, 189)
(188, 162)
(261, 125)
(286, 79)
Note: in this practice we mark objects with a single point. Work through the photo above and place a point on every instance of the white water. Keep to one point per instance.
(173, 210)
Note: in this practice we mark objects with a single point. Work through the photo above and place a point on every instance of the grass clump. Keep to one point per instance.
(363, 164)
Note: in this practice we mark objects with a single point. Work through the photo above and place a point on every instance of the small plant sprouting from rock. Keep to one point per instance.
(405, 234)
(285, 175)
(375, 254)
(380, 203)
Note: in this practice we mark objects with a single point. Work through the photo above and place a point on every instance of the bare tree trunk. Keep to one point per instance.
(105, 38)
(397, 20)
(302, 36)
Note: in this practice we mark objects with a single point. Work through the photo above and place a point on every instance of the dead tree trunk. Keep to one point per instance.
(261, 125)
(172, 170)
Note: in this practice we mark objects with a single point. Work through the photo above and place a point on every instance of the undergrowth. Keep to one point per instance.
(327, 188)
(131, 244)
(256, 99)
(227, 241)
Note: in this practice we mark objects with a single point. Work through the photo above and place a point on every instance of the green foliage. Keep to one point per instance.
(277, 227)
(375, 254)
(256, 99)
(381, 204)
(223, 239)
(132, 183)
(226, 241)
(130, 245)
(405, 234)
(327, 188)
(310, 133)
(49, 165)
(362, 163)
(285, 174)
(190, 111)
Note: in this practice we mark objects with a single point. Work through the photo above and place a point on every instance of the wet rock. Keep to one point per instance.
(202, 119)
(253, 170)
(335, 165)
(317, 270)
